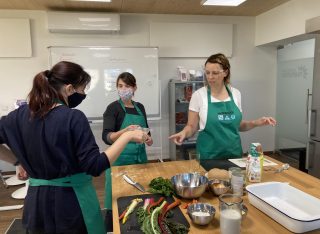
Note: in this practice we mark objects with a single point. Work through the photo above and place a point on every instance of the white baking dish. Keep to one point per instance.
(296, 210)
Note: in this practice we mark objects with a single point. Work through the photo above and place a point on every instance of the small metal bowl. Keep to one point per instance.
(189, 185)
(219, 187)
(201, 213)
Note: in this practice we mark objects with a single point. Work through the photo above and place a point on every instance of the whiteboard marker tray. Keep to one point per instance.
(295, 210)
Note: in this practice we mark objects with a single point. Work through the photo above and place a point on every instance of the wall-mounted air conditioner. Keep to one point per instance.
(313, 25)
(82, 22)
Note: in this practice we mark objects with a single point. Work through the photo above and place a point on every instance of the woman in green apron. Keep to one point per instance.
(122, 116)
(216, 109)
(56, 147)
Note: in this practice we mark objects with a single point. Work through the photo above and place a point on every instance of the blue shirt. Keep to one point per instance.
(56, 146)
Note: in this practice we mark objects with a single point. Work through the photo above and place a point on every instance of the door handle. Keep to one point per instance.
(310, 155)
(307, 105)
(313, 124)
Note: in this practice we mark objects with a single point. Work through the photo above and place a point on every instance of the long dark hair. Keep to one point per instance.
(46, 89)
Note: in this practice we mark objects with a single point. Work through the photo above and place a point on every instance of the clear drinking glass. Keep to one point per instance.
(145, 130)
(194, 162)
(237, 181)
(233, 169)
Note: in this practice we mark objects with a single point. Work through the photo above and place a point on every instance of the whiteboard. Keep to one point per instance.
(104, 64)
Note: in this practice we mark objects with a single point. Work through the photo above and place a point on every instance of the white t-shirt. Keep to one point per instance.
(199, 103)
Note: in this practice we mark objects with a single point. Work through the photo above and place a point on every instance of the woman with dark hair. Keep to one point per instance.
(122, 116)
(56, 147)
(216, 109)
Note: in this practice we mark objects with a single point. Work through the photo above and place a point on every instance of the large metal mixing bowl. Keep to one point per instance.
(189, 185)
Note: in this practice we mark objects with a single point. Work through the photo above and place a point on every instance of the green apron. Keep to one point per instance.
(220, 138)
(133, 153)
(86, 195)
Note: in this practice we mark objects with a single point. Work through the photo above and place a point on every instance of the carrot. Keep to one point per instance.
(185, 206)
(131, 207)
(171, 206)
(155, 204)
(123, 213)
(174, 204)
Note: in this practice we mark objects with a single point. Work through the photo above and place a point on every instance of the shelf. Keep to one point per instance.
(179, 100)
(177, 82)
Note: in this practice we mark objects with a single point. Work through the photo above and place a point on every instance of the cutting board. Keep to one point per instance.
(132, 226)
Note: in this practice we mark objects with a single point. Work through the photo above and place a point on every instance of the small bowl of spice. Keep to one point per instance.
(219, 187)
(201, 213)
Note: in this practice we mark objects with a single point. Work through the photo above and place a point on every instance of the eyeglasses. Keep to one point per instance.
(215, 73)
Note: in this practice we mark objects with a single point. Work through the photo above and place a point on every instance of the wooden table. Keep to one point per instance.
(255, 222)
(6, 217)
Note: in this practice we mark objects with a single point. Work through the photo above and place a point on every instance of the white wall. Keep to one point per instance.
(253, 69)
(285, 21)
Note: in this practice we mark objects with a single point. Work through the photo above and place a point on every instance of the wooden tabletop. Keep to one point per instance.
(255, 222)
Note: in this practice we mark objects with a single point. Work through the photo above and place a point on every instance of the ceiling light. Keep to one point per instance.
(90, 0)
(222, 2)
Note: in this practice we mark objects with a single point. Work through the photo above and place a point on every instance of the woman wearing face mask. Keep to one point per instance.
(56, 147)
(120, 117)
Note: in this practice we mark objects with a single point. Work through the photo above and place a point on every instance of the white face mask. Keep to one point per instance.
(125, 94)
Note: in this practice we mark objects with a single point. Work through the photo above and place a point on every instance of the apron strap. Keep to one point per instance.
(209, 93)
(134, 104)
(122, 105)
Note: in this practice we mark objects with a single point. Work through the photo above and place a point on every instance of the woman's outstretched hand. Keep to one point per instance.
(178, 138)
(265, 121)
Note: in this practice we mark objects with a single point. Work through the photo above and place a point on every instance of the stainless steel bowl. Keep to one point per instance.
(201, 213)
(189, 185)
(219, 187)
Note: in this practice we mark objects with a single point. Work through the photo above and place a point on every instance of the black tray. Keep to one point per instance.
(217, 163)
(132, 226)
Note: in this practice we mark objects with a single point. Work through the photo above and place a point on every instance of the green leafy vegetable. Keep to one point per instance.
(161, 186)
(146, 226)
(157, 221)
(154, 218)
(142, 211)
(177, 228)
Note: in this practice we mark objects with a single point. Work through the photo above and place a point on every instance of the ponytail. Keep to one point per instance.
(47, 86)
(42, 95)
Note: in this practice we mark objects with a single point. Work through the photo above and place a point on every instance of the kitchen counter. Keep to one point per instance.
(255, 222)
